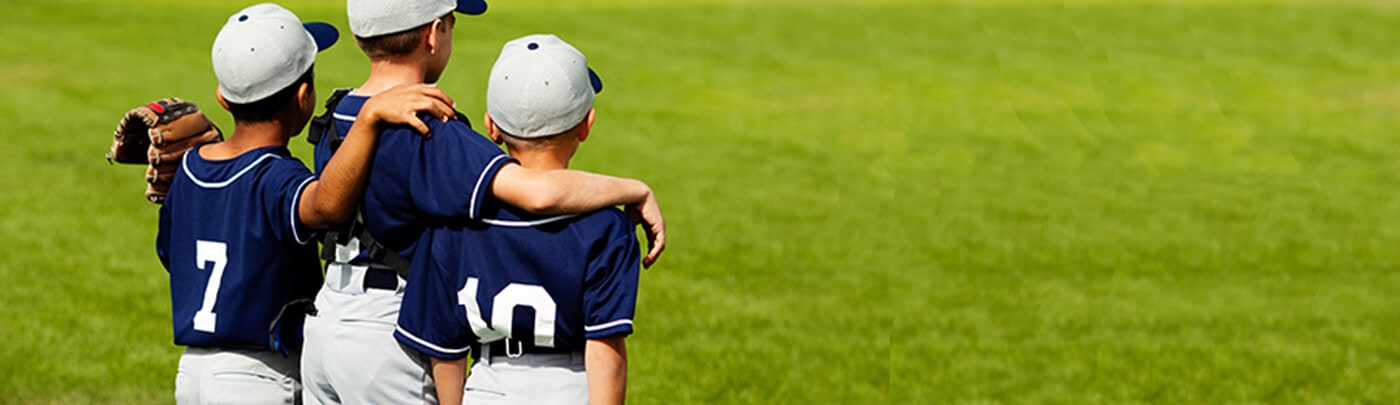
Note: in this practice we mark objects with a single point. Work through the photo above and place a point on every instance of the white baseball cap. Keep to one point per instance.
(263, 49)
(540, 86)
(372, 18)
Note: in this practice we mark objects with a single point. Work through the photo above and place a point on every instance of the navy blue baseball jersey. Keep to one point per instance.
(234, 246)
(549, 283)
(417, 181)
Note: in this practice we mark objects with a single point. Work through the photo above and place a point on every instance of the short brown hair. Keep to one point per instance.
(518, 143)
(398, 43)
(391, 45)
(268, 108)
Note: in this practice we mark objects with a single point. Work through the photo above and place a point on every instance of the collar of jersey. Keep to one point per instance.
(349, 107)
(498, 213)
(352, 103)
(527, 223)
(221, 173)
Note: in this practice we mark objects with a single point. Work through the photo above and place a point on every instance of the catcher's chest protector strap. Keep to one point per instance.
(378, 255)
(323, 126)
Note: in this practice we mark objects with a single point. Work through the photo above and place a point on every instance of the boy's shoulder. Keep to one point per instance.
(604, 224)
(453, 131)
(458, 125)
(349, 107)
(611, 216)
(610, 219)
(207, 172)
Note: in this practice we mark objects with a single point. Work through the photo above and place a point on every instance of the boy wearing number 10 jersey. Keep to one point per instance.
(543, 303)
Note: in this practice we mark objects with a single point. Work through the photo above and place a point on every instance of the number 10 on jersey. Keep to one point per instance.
(502, 311)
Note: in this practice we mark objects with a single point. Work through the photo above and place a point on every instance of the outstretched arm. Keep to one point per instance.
(572, 191)
(332, 198)
(605, 363)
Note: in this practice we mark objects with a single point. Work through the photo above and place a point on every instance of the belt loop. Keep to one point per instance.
(485, 357)
(519, 348)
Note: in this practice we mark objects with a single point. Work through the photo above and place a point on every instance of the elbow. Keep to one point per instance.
(316, 220)
(336, 216)
(337, 213)
(543, 203)
(325, 217)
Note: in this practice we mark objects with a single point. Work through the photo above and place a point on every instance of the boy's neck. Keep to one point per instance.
(384, 74)
(248, 136)
(549, 158)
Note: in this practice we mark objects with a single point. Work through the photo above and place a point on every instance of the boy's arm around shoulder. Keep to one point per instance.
(571, 191)
(332, 198)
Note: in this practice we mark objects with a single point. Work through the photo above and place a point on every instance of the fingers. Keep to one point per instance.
(656, 240)
(648, 214)
(441, 105)
(412, 120)
(442, 110)
(401, 105)
(655, 227)
(432, 106)
(438, 103)
(437, 93)
(430, 92)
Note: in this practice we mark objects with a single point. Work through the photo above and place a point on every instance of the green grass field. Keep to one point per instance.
(899, 201)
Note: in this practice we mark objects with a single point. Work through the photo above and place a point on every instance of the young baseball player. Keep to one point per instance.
(544, 302)
(237, 224)
(351, 354)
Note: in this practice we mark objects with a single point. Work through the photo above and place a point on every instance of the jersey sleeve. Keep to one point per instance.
(452, 174)
(610, 289)
(430, 318)
(163, 237)
(282, 189)
(321, 154)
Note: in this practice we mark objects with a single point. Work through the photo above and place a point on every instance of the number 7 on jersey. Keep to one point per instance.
(216, 253)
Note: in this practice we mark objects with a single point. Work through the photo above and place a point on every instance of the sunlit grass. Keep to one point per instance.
(912, 202)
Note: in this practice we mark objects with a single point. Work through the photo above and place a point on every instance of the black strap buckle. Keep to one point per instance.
(323, 125)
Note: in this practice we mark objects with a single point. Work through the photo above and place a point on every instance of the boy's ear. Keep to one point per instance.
(587, 126)
(492, 131)
(304, 92)
(219, 94)
(430, 37)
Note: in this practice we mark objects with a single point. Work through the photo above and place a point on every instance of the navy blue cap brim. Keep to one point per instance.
(324, 34)
(596, 81)
(471, 7)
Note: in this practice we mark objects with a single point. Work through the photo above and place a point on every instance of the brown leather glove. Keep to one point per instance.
(158, 134)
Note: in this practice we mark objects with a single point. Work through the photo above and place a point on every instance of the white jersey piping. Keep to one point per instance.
(184, 165)
(595, 328)
(430, 345)
(296, 204)
(471, 209)
(527, 224)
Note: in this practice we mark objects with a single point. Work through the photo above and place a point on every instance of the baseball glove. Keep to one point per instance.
(285, 334)
(158, 134)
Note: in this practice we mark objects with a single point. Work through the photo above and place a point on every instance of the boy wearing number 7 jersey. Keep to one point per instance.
(543, 303)
(236, 227)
